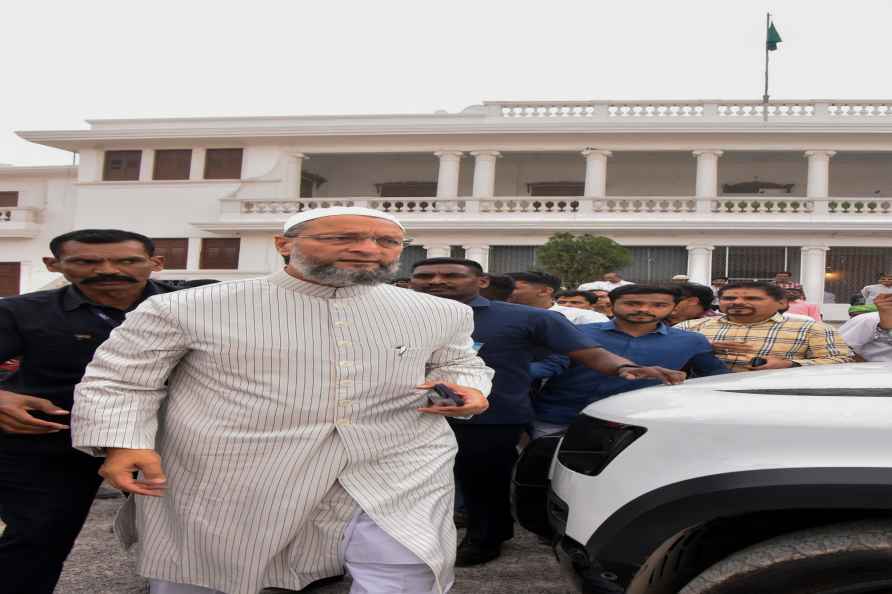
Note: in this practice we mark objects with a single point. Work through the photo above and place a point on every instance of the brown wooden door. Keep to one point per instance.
(220, 253)
(10, 273)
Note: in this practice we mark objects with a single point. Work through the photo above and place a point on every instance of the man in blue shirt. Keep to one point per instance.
(637, 332)
(506, 336)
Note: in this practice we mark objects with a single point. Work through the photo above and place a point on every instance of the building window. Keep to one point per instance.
(410, 255)
(223, 164)
(172, 164)
(850, 269)
(745, 263)
(121, 165)
(220, 254)
(9, 199)
(10, 273)
(309, 182)
(174, 252)
(654, 264)
(511, 258)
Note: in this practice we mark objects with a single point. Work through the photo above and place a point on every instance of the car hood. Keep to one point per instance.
(848, 375)
(799, 391)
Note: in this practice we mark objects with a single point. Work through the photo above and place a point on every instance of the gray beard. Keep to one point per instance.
(328, 274)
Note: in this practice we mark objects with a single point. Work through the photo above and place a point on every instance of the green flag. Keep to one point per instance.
(773, 38)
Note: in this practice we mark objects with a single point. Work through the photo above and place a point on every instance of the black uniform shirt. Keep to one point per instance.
(56, 333)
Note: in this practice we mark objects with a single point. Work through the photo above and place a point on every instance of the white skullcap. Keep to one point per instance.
(334, 211)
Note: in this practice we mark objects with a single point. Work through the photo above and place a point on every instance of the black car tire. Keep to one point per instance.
(680, 559)
(851, 558)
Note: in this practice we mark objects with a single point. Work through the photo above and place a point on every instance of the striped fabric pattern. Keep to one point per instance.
(277, 406)
(806, 342)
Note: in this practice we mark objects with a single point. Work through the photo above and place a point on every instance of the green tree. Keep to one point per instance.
(580, 259)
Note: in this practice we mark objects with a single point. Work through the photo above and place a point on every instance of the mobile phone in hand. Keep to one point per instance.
(441, 395)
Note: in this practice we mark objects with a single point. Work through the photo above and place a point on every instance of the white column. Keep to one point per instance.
(818, 173)
(700, 264)
(447, 174)
(479, 254)
(291, 178)
(596, 172)
(146, 164)
(707, 173)
(193, 253)
(89, 165)
(438, 251)
(196, 168)
(813, 269)
(484, 173)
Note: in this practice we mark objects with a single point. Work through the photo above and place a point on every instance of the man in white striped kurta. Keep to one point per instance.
(280, 407)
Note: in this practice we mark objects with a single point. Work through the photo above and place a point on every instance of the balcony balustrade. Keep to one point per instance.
(647, 211)
(705, 111)
(19, 221)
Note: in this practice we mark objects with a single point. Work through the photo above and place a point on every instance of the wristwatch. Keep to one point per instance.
(795, 364)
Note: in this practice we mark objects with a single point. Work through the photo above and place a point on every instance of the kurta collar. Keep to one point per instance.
(286, 281)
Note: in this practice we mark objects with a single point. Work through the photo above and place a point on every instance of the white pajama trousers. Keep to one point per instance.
(376, 561)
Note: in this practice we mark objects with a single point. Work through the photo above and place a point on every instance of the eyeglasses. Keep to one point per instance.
(347, 239)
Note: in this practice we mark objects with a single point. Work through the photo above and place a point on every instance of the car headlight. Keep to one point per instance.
(590, 444)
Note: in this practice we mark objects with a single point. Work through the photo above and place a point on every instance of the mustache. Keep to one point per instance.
(108, 277)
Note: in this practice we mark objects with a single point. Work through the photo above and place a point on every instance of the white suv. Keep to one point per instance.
(774, 482)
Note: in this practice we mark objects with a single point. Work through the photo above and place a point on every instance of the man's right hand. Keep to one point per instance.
(884, 306)
(121, 463)
(15, 418)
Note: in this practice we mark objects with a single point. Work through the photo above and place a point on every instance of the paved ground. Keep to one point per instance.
(99, 566)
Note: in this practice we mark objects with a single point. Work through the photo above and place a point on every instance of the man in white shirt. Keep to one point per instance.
(870, 334)
(538, 289)
(611, 281)
(870, 292)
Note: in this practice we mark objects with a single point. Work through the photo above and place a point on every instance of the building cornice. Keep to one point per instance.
(866, 117)
(38, 171)
(381, 128)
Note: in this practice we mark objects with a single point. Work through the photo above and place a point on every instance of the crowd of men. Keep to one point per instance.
(280, 427)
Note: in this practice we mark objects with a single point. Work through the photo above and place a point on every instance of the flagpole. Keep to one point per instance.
(765, 96)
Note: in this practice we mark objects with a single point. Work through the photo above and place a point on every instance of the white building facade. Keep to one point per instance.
(706, 188)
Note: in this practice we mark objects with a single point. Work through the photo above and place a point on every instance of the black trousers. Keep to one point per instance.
(45, 496)
(483, 466)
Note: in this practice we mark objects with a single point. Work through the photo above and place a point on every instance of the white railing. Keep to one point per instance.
(14, 214)
(19, 221)
(754, 207)
(703, 110)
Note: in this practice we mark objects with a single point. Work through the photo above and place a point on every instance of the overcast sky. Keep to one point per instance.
(64, 62)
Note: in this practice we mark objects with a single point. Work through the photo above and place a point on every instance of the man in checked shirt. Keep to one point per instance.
(752, 335)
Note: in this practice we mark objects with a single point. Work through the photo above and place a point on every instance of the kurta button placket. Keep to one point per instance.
(345, 365)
